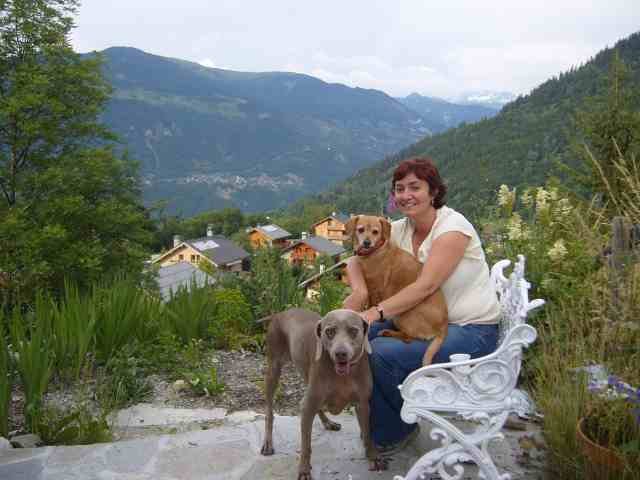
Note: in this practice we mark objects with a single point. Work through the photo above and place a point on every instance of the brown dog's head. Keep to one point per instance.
(367, 232)
(343, 334)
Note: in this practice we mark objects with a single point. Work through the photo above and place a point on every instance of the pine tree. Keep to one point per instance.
(609, 128)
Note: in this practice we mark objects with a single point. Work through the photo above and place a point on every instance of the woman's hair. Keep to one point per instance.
(424, 169)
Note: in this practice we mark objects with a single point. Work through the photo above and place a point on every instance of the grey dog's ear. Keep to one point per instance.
(350, 226)
(365, 332)
(318, 341)
(386, 228)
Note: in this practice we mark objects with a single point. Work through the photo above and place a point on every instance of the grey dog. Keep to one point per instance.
(331, 355)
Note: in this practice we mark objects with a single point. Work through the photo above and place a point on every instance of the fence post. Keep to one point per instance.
(619, 260)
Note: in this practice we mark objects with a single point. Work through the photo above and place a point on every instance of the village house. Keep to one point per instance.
(311, 285)
(268, 236)
(307, 250)
(332, 227)
(218, 251)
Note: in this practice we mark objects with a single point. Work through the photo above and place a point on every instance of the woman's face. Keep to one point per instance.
(412, 196)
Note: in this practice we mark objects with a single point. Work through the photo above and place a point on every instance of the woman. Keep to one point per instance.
(453, 260)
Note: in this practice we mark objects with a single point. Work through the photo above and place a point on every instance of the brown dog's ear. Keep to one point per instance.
(386, 228)
(350, 226)
(318, 341)
(365, 331)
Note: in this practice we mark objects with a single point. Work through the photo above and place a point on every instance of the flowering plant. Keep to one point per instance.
(613, 416)
(543, 224)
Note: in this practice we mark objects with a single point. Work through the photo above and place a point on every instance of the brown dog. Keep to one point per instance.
(387, 269)
(331, 355)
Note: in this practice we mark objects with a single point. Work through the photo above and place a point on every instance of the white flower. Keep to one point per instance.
(515, 230)
(504, 195)
(558, 251)
(564, 207)
(542, 199)
(526, 198)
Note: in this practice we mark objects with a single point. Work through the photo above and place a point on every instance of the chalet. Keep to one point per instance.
(311, 285)
(181, 275)
(218, 251)
(331, 227)
(306, 250)
(268, 236)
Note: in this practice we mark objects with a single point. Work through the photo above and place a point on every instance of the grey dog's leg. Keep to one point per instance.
(328, 424)
(275, 360)
(376, 463)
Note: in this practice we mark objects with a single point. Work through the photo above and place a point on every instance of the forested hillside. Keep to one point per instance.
(208, 138)
(519, 146)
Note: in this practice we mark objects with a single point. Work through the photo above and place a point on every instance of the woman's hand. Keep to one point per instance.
(370, 315)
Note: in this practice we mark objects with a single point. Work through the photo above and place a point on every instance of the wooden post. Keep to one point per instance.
(619, 260)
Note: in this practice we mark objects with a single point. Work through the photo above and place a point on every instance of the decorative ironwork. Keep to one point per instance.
(482, 390)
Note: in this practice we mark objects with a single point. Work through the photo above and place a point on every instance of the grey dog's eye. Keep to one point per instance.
(330, 332)
(353, 332)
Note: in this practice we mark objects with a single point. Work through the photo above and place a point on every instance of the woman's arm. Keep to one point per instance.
(359, 296)
(445, 254)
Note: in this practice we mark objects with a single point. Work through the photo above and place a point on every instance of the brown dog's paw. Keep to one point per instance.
(378, 464)
(267, 449)
(333, 426)
(385, 333)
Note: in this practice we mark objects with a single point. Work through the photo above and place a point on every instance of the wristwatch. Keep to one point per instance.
(380, 312)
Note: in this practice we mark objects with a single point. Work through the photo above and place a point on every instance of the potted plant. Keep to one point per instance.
(609, 432)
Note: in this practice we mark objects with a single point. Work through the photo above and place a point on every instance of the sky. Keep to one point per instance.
(444, 48)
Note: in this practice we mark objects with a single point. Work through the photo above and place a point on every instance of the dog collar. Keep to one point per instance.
(365, 252)
(359, 356)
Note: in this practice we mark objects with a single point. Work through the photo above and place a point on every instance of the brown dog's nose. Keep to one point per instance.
(366, 243)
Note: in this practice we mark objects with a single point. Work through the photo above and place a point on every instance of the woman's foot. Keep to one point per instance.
(393, 448)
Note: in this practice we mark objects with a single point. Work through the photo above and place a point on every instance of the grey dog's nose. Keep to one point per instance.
(341, 356)
(366, 243)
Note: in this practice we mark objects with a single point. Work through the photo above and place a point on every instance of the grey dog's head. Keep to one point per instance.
(343, 334)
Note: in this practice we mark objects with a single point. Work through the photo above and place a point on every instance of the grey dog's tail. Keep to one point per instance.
(266, 319)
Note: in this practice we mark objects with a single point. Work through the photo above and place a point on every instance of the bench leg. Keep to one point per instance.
(457, 446)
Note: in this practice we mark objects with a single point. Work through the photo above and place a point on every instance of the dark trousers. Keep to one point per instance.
(392, 360)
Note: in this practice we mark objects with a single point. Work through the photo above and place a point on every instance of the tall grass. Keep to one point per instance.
(189, 312)
(30, 337)
(123, 312)
(73, 327)
(5, 380)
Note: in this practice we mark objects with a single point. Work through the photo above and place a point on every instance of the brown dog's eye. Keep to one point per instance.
(353, 332)
(360, 229)
(330, 332)
(375, 232)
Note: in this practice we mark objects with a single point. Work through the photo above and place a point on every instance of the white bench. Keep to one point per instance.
(482, 390)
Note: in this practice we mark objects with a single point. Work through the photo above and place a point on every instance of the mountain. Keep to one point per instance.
(519, 146)
(440, 115)
(486, 98)
(207, 138)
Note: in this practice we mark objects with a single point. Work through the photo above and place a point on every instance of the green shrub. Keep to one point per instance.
(233, 322)
(76, 427)
(206, 383)
(124, 380)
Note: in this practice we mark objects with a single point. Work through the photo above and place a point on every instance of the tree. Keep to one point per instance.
(69, 205)
(608, 128)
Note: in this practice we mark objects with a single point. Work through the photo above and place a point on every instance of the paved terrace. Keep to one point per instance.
(208, 444)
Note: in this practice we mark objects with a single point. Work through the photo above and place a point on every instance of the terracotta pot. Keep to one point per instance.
(601, 462)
